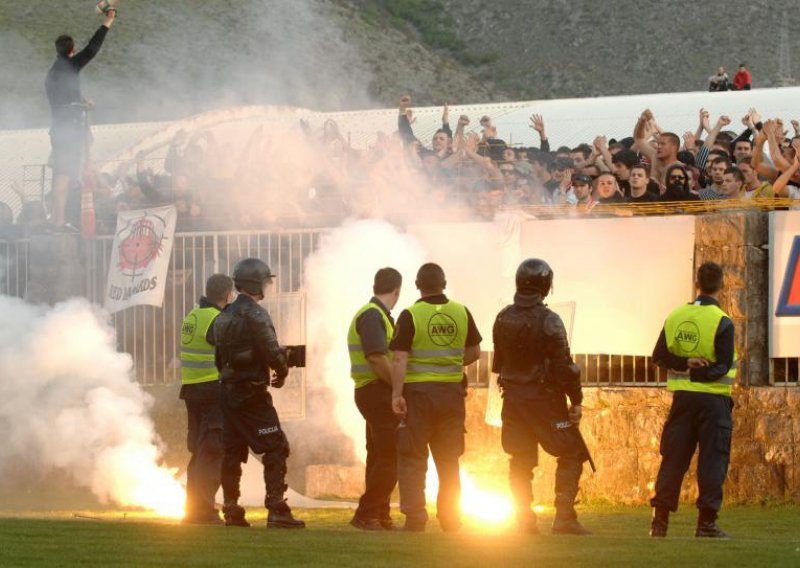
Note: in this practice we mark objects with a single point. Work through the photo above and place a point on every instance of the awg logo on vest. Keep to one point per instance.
(688, 336)
(442, 329)
(789, 299)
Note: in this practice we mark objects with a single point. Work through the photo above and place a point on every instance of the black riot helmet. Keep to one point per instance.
(250, 275)
(534, 276)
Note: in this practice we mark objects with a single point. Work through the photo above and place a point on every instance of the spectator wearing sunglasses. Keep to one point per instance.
(677, 189)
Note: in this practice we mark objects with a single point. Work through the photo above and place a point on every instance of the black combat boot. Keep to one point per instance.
(234, 515)
(280, 517)
(707, 525)
(660, 522)
(566, 519)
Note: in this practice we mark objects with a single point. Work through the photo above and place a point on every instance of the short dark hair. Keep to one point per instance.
(672, 137)
(735, 172)
(561, 164)
(627, 158)
(443, 131)
(644, 167)
(746, 160)
(386, 280)
(584, 149)
(64, 45)
(218, 287)
(430, 278)
(709, 278)
(724, 159)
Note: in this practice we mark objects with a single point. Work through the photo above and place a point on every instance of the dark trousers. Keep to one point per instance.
(374, 401)
(251, 421)
(695, 419)
(529, 422)
(435, 419)
(204, 441)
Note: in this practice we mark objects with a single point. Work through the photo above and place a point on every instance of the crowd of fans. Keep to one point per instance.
(302, 178)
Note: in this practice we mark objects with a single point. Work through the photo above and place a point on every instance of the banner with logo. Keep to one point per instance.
(784, 285)
(137, 273)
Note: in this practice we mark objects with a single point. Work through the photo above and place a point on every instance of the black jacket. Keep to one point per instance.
(531, 351)
(246, 344)
(63, 83)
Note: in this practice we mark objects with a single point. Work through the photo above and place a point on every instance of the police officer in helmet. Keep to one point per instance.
(537, 375)
(247, 351)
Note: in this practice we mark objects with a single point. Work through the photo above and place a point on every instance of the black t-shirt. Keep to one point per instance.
(404, 331)
(646, 197)
(372, 329)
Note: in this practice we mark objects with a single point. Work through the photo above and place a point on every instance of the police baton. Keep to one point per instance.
(586, 449)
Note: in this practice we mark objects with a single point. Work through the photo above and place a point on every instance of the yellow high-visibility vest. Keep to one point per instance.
(197, 355)
(440, 335)
(690, 331)
(360, 369)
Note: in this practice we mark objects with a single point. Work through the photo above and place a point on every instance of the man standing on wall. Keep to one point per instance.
(69, 130)
(368, 343)
(697, 348)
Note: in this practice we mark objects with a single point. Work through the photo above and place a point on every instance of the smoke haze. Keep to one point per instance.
(68, 403)
(196, 56)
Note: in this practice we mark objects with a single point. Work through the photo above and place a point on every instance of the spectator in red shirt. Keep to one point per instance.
(742, 81)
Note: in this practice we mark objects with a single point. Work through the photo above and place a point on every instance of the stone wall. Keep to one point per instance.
(622, 428)
(739, 242)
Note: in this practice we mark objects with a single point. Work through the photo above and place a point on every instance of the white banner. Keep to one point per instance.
(137, 272)
(784, 275)
(624, 275)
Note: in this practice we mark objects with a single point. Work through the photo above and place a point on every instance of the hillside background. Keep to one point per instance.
(169, 59)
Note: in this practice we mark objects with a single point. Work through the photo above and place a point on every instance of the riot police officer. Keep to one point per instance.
(246, 349)
(537, 375)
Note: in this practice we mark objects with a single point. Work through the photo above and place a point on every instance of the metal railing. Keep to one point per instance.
(151, 335)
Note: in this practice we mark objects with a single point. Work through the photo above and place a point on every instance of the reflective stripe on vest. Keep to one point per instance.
(437, 351)
(197, 356)
(690, 331)
(360, 369)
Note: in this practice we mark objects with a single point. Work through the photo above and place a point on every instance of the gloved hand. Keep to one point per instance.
(279, 377)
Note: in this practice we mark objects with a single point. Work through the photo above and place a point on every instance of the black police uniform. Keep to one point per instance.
(696, 419)
(69, 129)
(246, 349)
(537, 374)
(374, 402)
(204, 442)
(435, 419)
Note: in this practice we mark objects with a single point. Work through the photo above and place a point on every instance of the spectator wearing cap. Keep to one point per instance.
(742, 81)
(639, 178)
(581, 190)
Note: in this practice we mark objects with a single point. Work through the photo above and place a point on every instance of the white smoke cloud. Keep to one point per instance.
(339, 281)
(68, 402)
(167, 60)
